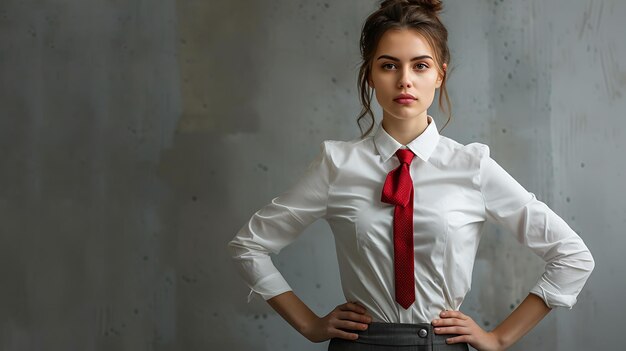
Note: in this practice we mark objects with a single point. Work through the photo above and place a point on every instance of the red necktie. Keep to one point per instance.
(398, 190)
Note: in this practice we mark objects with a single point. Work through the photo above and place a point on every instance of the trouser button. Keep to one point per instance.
(422, 333)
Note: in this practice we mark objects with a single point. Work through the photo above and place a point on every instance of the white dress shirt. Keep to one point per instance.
(457, 188)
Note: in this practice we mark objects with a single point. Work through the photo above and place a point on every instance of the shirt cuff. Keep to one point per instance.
(551, 296)
(269, 286)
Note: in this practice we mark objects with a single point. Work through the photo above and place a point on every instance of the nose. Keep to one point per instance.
(405, 78)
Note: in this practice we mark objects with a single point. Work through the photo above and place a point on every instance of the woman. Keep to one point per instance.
(406, 206)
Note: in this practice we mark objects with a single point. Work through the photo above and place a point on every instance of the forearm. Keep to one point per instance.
(521, 320)
(294, 311)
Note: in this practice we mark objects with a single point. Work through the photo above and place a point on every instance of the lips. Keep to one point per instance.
(404, 101)
(405, 97)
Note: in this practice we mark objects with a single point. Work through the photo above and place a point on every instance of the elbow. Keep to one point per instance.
(585, 264)
(234, 248)
(242, 249)
(588, 263)
(582, 260)
(229, 245)
(591, 263)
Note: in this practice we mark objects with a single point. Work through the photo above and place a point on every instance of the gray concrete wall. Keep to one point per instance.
(128, 160)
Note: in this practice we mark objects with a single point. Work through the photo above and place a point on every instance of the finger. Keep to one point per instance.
(462, 338)
(360, 305)
(363, 311)
(453, 330)
(449, 321)
(350, 325)
(353, 316)
(455, 314)
(351, 306)
(337, 333)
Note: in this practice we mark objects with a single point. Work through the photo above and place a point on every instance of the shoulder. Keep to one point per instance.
(450, 152)
(339, 151)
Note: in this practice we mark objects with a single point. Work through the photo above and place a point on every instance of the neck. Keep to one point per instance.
(405, 130)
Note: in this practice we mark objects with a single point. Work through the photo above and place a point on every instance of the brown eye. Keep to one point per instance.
(421, 64)
(387, 64)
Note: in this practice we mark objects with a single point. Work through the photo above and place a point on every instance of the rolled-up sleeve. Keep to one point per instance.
(279, 223)
(568, 260)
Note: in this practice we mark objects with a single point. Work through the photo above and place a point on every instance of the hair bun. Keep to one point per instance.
(429, 5)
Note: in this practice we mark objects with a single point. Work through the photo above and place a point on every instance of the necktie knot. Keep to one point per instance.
(398, 186)
(405, 155)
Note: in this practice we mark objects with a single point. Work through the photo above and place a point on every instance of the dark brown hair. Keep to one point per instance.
(421, 15)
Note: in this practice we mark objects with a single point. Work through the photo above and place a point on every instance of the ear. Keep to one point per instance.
(370, 83)
(440, 78)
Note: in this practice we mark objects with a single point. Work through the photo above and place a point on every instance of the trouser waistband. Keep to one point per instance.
(401, 334)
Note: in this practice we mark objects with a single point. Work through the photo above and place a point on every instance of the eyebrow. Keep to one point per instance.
(398, 60)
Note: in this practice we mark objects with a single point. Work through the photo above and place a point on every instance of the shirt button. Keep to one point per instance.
(422, 333)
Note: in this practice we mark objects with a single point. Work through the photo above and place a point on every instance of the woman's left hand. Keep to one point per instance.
(455, 322)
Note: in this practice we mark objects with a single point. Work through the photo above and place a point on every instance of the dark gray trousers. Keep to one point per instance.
(397, 337)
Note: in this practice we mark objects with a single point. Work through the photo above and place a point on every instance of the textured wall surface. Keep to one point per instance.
(137, 137)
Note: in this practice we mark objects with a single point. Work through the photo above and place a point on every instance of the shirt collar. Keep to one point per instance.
(422, 146)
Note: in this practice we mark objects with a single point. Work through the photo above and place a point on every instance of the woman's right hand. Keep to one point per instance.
(336, 324)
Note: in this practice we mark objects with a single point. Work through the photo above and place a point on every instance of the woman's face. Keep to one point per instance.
(404, 64)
